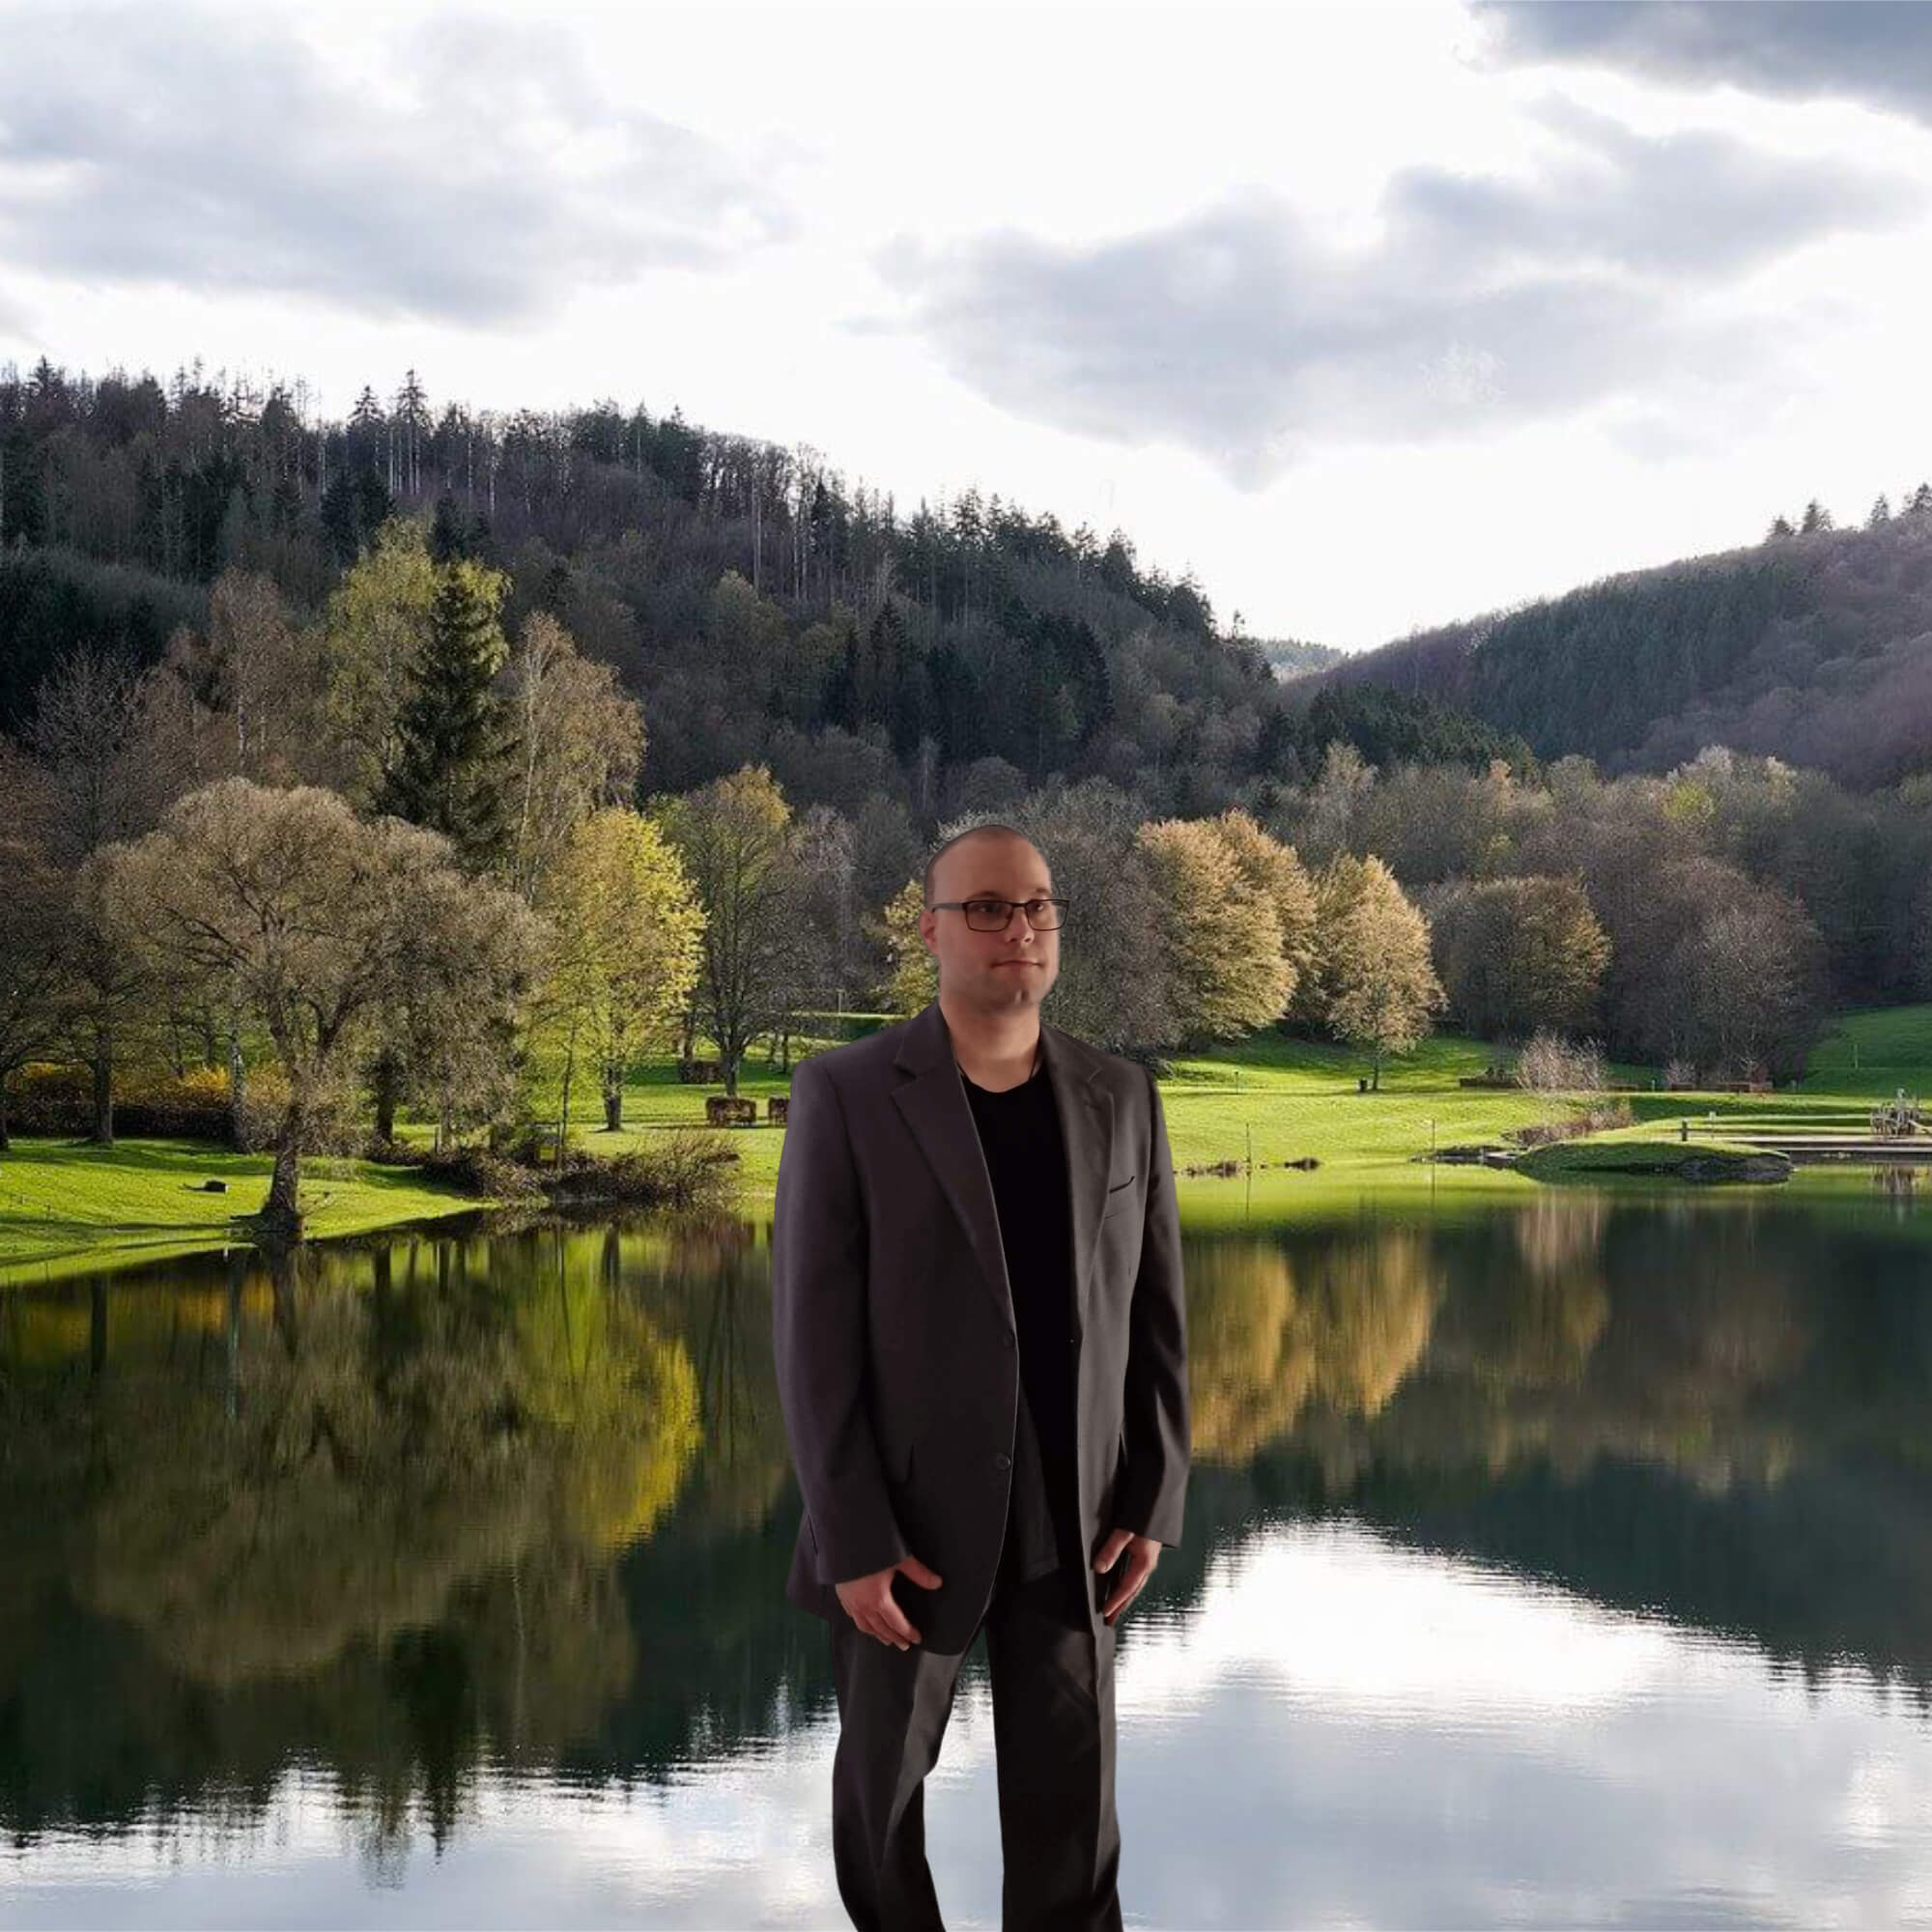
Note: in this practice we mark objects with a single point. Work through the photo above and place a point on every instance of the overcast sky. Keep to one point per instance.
(1372, 317)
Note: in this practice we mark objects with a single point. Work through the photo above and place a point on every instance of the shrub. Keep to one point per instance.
(1551, 1064)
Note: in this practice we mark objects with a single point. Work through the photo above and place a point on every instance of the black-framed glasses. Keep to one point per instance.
(992, 915)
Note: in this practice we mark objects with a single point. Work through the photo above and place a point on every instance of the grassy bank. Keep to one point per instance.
(65, 1207)
(1691, 1160)
(1268, 1100)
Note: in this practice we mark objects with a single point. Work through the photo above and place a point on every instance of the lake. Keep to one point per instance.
(1552, 1559)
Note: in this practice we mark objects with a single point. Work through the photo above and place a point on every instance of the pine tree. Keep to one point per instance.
(1921, 500)
(1816, 516)
(455, 759)
(1780, 528)
(1880, 513)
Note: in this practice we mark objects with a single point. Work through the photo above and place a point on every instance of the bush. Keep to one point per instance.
(1551, 1064)
(59, 1100)
(1595, 1119)
(477, 1170)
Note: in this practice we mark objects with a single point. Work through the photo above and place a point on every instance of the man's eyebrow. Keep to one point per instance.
(987, 891)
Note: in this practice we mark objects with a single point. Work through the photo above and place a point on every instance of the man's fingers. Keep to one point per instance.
(1140, 1567)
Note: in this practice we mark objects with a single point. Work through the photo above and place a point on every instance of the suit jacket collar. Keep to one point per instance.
(932, 1098)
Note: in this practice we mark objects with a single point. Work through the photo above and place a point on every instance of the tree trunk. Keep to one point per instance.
(563, 1116)
(281, 1213)
(614, 1099)
(387, 1080)
(5, 1144)
(103, 1089)
(238, 1089)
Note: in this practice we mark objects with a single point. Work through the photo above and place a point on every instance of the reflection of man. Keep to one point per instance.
(981, 1354)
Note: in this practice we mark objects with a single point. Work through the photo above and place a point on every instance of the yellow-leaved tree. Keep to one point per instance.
(1373, 963)
(911, 982)
(625, 937)
(1221, 931)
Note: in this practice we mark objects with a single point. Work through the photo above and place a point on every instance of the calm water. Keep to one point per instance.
(1561, 1559)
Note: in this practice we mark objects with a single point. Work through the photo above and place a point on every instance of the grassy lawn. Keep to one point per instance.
(1269, 1098)
(1633, 1151)
(66, 1206)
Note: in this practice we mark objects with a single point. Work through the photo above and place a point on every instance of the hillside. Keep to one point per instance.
(760, 606)
(1816, 648)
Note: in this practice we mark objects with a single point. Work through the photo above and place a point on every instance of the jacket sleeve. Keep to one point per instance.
(1153, 1485)
(820, 1335)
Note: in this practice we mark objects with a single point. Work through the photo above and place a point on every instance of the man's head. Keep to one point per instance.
(985, 969)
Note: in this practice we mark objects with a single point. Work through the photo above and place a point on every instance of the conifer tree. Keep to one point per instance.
(455, 765)
(1880, 513)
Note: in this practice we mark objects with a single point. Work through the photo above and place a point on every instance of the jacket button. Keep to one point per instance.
(1003, 1461)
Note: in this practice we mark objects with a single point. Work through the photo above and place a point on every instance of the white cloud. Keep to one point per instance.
(487, 180)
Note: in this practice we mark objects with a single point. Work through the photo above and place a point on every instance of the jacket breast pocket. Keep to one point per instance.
(1120, 1196)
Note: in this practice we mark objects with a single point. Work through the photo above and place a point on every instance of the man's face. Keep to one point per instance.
(997, 971)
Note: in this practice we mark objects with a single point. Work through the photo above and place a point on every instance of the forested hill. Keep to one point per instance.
(760, 606)
(1814, 646)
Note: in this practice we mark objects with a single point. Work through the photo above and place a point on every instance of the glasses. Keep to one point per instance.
(992, 915)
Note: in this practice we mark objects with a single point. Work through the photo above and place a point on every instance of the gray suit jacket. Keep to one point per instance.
(892, 1319)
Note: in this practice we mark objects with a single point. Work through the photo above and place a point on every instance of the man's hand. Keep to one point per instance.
(1143, 1553)
(870, 1602)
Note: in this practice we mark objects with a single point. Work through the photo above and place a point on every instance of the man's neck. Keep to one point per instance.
(996, 1051)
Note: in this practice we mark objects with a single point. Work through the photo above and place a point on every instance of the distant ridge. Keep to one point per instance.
(1814, 647)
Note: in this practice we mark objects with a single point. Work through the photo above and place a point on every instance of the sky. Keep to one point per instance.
(1370, 317)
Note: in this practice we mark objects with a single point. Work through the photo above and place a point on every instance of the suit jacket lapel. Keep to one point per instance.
(935, 1107)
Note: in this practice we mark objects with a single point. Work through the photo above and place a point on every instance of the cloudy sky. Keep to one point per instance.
(1372, 317)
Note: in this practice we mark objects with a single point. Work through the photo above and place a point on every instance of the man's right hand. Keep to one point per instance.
(870, 1602)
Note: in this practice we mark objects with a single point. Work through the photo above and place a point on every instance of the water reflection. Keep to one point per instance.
(393, 1571)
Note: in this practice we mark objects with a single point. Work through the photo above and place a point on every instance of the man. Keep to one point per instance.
(981, 1354)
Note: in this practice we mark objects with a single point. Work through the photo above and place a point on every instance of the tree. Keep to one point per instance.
(239, 697)
(1276, 872)
(1517, 954)
(312, 919)
(623, 952)
(92, 783)
(1880, 513)
(1373, 960)
(579, 746)
(733, 836)
(454, 770)
(32, 945)
(1222, 932)
(912, 979)
(377, 620)
(1816, 516)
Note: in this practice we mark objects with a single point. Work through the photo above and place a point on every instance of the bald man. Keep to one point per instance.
(980, 1327)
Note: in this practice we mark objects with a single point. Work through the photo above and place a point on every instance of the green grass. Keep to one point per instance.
(1871, 1051)
(1635, 1153)
(1273, 1099)
(66, 1206)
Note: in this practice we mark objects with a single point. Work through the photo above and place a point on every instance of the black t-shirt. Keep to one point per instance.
(1020, 1136)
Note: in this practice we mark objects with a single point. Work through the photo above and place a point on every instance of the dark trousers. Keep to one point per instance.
(1053, 1740)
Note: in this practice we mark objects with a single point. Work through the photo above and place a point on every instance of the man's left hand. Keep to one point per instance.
(1143, 1553)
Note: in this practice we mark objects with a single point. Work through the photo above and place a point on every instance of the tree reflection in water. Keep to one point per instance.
(412, 1512)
